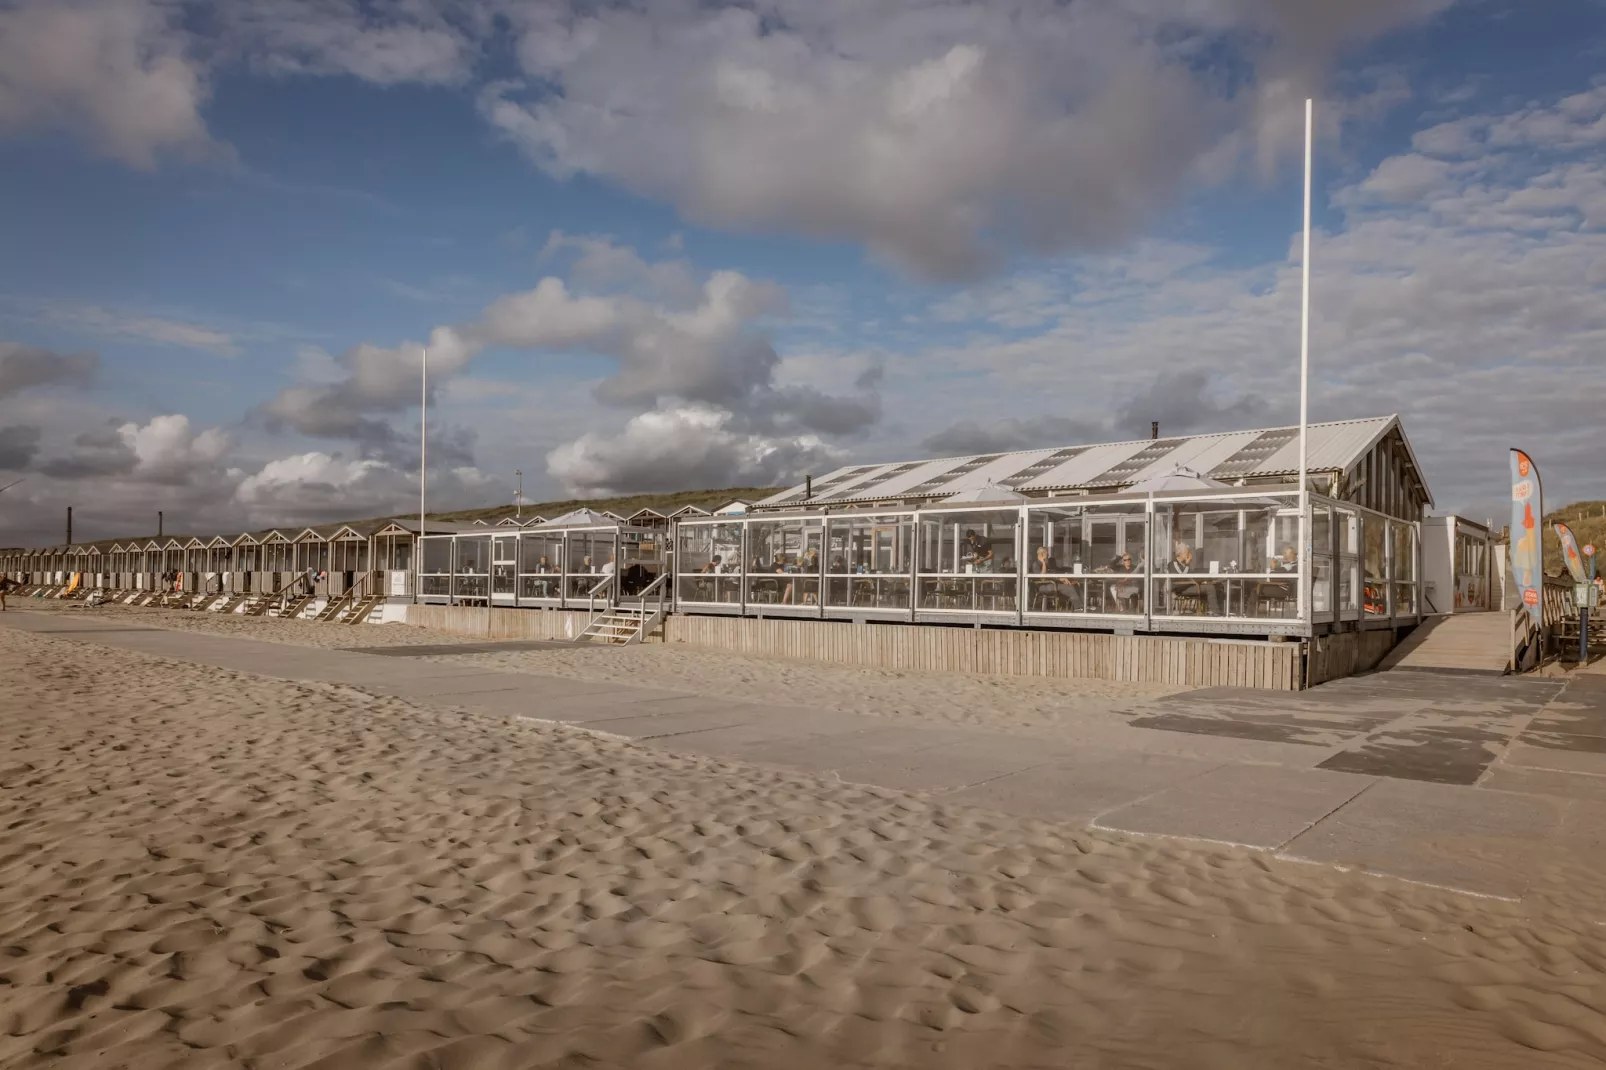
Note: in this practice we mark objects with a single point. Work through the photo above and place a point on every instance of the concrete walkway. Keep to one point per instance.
(1471, 783)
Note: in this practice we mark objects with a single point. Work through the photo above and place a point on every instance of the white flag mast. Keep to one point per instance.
(1304, 319)
(423, 456)
(1305, 563)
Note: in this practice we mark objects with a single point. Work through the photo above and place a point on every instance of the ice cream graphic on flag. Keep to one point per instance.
(1526, 542)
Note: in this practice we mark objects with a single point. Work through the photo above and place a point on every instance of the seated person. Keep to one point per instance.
(713, 566)
(1181, 563)
(1124, 594)
(811, 567)
(1043, 564)
(781, 566)
(1288, 562)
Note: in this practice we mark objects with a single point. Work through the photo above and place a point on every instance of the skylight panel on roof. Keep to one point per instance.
(1123, 472)
(1255, 454)
(1039, 467)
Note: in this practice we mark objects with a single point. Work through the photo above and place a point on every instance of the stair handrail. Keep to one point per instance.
(591, 596)
(657, 588)
(337, 605)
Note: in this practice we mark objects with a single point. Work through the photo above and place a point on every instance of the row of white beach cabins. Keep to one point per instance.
(346, 561)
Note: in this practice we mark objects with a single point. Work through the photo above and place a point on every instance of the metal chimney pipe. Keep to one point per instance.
(158, 523)
(69, 525)
(808, 487)
(1154, 430)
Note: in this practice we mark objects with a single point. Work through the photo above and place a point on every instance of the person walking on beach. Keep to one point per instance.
(6, 584)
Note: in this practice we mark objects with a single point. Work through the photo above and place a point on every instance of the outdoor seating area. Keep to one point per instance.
(1223, 561)
(580, 560)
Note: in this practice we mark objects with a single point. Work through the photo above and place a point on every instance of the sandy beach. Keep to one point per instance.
(206, 868)
(1038, 706)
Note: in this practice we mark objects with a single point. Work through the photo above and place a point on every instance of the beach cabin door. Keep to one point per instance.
(504, 570)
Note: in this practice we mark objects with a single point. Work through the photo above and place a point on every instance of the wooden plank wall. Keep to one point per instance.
(1066, 655)
(1333, 657)
(503, 623)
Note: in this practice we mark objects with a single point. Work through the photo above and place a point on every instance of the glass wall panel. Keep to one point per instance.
(436, 578)
(1374, 566)
(1321, 559)
(1403, 546)
(590, 556)
(541, 566)
(708, 563)
(642, 559)
(968, 560)
(868, 560)
(1471, 571)
(1227, 558)
(472, 566)
(1078, 558)
(504, 565)
(1347, 533)
(784, 560)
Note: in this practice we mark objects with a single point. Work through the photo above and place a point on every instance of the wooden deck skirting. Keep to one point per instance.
(923, 648)
(1003, 652)
(1333, 657)
(501, 623)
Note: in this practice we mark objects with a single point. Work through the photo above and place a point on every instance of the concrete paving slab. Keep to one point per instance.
(666, 725)
(445, 688)
(1524, 753)
(1078, 789)
(1288, 728)
(948, 766)
(1524, 781)
(453, 650)
(1583, 831)
(1572, 718)
(1485, 842)
(871, 742)
(749, 740)
(1253, 805)
(1438, 745)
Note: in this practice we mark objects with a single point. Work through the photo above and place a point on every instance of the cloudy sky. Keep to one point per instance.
(671, 244)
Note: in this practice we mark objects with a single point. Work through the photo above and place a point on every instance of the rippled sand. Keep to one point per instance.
(999, 703)
(204, 869)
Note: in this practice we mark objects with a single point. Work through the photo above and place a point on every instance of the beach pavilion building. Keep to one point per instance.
(1198, 536)
(1201, 534)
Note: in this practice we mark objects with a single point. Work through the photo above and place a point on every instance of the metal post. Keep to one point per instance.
(518, 501)
(423, 456)
(1304, 382)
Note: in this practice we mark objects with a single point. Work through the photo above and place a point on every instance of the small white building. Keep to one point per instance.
(1459, 571)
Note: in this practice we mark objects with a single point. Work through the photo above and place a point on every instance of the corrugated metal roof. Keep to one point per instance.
(1228, 456)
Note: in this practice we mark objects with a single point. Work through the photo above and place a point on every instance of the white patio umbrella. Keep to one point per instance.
(581, 518)
(1178, 478)
(987, 492)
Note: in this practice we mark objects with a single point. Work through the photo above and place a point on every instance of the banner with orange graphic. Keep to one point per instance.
(1569, 553)
(1527, 539)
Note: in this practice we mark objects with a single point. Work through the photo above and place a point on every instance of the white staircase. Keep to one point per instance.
(631, 621)
(617, 626)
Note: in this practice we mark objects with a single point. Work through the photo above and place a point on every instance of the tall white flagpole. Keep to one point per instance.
(423, 456)
(1305, 518)
(1304, 317)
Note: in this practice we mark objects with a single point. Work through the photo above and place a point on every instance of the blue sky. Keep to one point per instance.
(696, 246)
